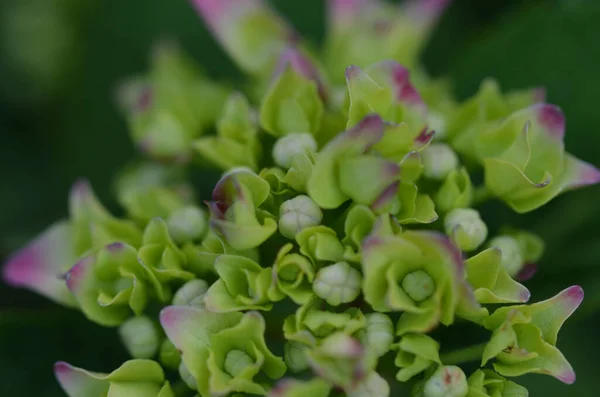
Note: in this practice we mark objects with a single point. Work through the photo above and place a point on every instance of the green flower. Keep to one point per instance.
(340, 360)
(236, 216)
(162, 107)
(236, 143)
(135, 378)
(320, 243)
(344, 171)
(242, 285)
(524, 337)
(455, 192)
(357, 225)
(224, 352)
(111, 283)
(161, 255)
(524, 158)
(293, 276)
(292, 103)
(140, 336)
(416, 353)
(419, 273)
(310, 324)
(491, 281)
(295, 388)
(487, 383)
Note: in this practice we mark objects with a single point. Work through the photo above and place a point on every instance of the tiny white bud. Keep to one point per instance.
(380, 333)
(189, 292)
(140, 337)
(373, 385)
(290, 145)
(446, 381)
(338, 283)
(297, 214)
(512, 259)
(187, 224)
(465, 227)
(438, 160)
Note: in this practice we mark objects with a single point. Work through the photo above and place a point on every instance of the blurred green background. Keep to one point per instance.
(60, 61)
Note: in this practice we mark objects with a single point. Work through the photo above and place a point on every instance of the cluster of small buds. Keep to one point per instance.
(340, 231)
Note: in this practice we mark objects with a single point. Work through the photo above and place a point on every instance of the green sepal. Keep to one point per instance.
(320, 243)
(292, 276)
(242, 285)
(292, 104)
(416, 353)
(455, 192)
(487, 383)
(490, 280)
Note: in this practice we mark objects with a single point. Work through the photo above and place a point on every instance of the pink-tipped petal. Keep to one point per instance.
(40, 266)
(578, 174)
(370, 129)
(76, 277)
(568, 376)
(77, 382)
(552, 120)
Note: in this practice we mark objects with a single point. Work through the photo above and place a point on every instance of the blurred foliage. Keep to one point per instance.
(66, 126)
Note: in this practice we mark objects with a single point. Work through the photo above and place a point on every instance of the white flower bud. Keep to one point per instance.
(438, 160)
(295, 356)
(290, 145)
(189, 292)
(446, 381)
(140, 337)
(338, 283)
(512, 259)
(380, 333)
(187, 377)
(465, 227)
(187, 224)
(297, 214)
(373, 385)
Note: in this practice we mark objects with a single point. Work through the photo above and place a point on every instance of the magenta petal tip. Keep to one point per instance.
(552, 118)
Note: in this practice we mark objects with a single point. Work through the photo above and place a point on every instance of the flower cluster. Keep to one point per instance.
(343, 229)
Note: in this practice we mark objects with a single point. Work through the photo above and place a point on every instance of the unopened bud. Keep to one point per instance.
(338, 283)
(512, 259)
(438, 160)
(297, 214)
(140, 337)
(189, 292)
(465, 227)
(187, 224)
(446, 381)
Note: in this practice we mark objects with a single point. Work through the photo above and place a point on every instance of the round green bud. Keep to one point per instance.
(140, 337)
(380, 333)
(169, 356)
(295, 356)
(438, 160)
(446, 381)
(290, 145)
(465, 227)
(418, 285)
(512, 259)
(187, 377)
(187, 224)
(189, 292)
(297, 214)
(236, 362)
(338, 283)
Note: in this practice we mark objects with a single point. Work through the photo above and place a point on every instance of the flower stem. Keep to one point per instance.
(465, 355)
